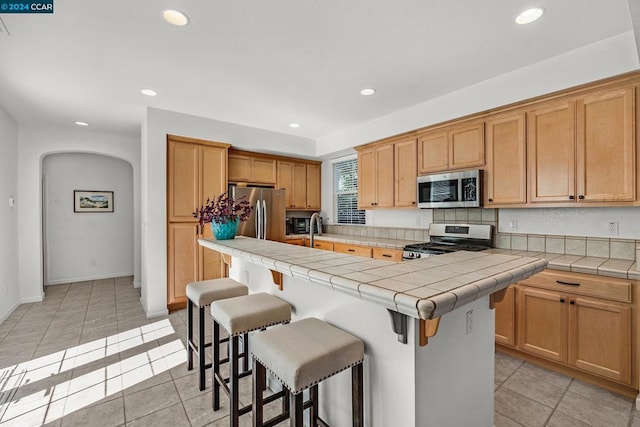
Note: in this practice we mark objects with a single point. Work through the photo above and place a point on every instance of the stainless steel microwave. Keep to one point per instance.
(450, 190)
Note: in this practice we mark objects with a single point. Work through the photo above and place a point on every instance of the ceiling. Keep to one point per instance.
(268, 63)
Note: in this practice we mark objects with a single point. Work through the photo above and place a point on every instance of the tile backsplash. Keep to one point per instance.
(417, 234)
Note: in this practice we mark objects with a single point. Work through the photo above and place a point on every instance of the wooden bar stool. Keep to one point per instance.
(301, 355)
(238, 316)
(202, 294)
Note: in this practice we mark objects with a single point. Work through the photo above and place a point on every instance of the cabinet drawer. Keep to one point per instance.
(298, 242)
(387, 254)
(583, 284)
(350, 249)
(321, 244)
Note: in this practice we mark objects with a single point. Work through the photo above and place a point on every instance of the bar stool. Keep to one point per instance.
(201, 294)
(301, 355)
(238, 316)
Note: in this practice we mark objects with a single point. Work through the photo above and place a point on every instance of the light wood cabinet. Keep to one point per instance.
(583, 150)
(505, 315)
(455, 147)
(196, 170)
(314, 185)
(583, 323)
(297, 242)
(320, 244)
(244, 167)
(376, 177)
(505, 173)
(405, 172)
(351, 249)
(387, 254)
(301, 182)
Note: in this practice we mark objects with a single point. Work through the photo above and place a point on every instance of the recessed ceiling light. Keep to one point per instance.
(367, 91)
(148, 92)
(294, 125)
(175, 17)
(82, 123)
(529, 15)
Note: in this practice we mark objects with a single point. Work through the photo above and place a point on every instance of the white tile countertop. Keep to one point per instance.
(377, 242)
(423, 289)
(612, 267)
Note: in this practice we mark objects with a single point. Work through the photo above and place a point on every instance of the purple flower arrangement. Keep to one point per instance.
(223, 209)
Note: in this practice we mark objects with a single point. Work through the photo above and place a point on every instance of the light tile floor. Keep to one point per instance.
(127, 373)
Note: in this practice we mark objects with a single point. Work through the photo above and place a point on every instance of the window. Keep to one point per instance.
(345, 175)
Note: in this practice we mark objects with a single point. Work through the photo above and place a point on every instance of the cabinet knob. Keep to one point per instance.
(413, 203)
(562, 300)
(571, 197)
(581, 197)
(572, 302)
(491, 200)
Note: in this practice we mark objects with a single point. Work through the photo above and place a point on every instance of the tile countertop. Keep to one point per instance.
(423, 289)
(358, 240)
(612, 267)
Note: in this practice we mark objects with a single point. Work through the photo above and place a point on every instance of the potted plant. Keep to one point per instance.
(223, 213)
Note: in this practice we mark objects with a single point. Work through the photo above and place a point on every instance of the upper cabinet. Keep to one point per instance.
(387, 174)
(454, 147)
(245, 167)
(405, 172)
(301, 180)
(583, 150)
(505, 173)
(375, 177)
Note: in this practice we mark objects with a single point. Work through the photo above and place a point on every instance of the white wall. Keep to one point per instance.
(34, 144)
(9, 289)
(157, 124)
(87, 246)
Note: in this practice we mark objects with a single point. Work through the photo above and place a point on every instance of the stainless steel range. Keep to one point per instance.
(447, 238)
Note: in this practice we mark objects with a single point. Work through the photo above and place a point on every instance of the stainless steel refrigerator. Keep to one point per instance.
(267, 221)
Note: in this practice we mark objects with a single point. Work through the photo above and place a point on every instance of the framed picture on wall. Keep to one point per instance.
(92, 201)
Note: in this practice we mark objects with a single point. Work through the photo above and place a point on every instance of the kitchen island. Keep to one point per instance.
(449, 381)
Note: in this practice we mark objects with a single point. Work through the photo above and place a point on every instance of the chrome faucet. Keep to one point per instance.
(315, 218)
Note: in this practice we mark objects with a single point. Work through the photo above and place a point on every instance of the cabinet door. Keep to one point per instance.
(239, 168)
(600, 338)
(606, 156)
(183, 173)
(183, 266)
(505, 174)
(466, 146)
(213, 179)
(384, 176)
(366, 178)
(406, 172)
(299, 195)
(313, 186)
(264, 170)
(551, 146)
(285, 180)
(349, 249)
(505, 312)
(433, 152)
(542, 328)
(387, 254)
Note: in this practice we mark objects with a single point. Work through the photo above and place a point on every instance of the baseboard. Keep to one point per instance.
(7, 313)
(137, 285)
(27, 300)
(638, 403)
(152, 314)
(87, 278)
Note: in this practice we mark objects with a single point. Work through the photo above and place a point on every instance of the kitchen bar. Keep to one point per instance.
(447, 382)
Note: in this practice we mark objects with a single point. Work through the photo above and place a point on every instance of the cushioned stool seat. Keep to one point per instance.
(239, 316)
(300, 355)
(201, 294)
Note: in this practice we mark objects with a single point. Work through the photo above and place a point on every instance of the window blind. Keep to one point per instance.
(346, 193)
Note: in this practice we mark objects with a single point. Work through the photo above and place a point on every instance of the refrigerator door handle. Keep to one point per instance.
(264, 220)
(258, 221)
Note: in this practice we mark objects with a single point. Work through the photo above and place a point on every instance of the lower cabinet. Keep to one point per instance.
(576, 320)
(359, 250)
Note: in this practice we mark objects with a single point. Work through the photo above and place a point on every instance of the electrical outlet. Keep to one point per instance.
(469, 322)
(513, 225)
(245, 273)
(612, 228)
